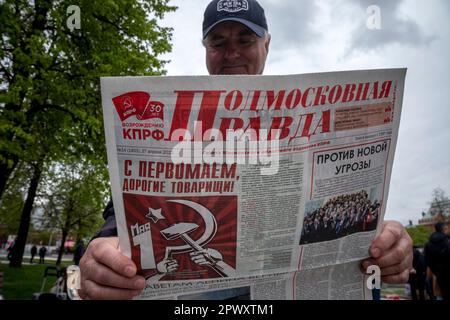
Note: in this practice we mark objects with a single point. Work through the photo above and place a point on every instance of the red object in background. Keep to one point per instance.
(69, 244)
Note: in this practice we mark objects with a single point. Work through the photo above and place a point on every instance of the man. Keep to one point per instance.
(236, 40)
(437, 257)
(33, 253)
(418, 275)
(42, 252)
(11, 250)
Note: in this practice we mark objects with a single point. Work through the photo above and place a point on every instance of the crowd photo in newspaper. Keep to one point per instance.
(339, 217)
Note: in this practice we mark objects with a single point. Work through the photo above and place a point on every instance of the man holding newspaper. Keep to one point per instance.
(236, 42)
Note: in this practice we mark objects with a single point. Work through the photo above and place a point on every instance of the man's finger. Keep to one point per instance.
(397, 254)
(106, 253)
(102, 275)
(391, 233)
(95, 291)
(396, 269)
(394, 279)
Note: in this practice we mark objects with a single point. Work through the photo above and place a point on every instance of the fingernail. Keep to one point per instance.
(375, 252)
(364, 265)
(129, 271)
(139, 283)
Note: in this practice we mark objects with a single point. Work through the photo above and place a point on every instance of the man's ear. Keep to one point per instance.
(267, 42)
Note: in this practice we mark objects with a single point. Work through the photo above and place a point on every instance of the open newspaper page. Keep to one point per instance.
(251, 187)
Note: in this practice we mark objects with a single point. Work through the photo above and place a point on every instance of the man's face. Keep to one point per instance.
(231, 48)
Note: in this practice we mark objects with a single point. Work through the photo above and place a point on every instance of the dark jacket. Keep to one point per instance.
(78, 254)
(419, 263)
(437, 256)
(109, 228)
(42, 252)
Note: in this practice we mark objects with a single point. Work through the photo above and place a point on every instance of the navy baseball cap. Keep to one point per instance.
(248, 12)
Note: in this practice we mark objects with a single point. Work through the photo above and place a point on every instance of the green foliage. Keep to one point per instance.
(12, 202)
(50, 104)
(50, 97)
(10, 212)
(419, 234)
(41, 237)
(72, 197)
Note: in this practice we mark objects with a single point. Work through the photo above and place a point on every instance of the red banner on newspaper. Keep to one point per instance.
(138, 103)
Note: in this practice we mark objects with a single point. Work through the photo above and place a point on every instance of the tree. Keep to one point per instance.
(439, 203)
(49, 87)
(72, 200)
(12, 202)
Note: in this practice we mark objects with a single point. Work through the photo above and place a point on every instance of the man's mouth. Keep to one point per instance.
(238, 69)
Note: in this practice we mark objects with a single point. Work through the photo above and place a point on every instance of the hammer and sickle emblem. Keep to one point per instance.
(127, 102)
(181, 230)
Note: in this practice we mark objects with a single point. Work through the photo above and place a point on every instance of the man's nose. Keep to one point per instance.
(232, 51)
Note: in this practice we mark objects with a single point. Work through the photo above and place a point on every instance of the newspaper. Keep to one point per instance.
(251, 187)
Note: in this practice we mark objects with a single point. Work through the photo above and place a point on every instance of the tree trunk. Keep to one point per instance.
(22, 234)
(65, 232)
(5, 173)
(79, 237)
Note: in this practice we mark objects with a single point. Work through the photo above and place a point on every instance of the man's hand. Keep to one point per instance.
(106, 273)
(392, 252)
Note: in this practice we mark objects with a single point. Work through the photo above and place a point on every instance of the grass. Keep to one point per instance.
(392, 289)
(22, 283)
